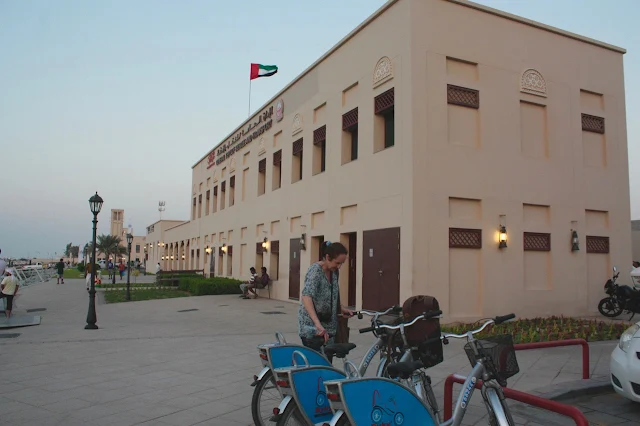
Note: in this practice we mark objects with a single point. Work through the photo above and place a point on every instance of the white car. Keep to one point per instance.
(625, 364)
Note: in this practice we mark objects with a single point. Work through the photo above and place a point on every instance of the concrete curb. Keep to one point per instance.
(569, 390)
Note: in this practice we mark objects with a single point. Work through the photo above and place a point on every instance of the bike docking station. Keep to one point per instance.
(535, 401)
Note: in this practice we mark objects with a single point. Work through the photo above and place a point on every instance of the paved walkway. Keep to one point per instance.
(184, 361)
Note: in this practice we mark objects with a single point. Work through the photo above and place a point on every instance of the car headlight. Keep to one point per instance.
(625, 339)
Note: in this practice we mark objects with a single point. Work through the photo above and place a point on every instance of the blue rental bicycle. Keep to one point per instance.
(305, 400)
(278, 354)
(380, 401)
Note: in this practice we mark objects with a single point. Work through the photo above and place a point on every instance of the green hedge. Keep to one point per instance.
(199, 286)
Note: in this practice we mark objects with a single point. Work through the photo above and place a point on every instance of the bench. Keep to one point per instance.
(267, 287)
(173, 277)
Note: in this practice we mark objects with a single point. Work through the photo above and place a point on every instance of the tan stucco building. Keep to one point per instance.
(412, 141)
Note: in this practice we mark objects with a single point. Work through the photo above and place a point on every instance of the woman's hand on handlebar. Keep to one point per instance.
(347, 313)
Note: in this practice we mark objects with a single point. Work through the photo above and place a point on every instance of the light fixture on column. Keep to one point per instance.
(575, 246)
(502, 233)
(224, 247)
(264, 244)
(303, 238)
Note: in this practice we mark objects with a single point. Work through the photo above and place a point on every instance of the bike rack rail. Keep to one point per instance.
(560, 343)
(536, 401)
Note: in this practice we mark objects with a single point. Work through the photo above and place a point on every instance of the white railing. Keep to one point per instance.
(27, 276)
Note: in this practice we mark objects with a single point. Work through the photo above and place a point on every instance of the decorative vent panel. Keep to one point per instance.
(597, 244)
(215, 191)
(463, 96)
(350, 119)
(591, 123)
(277, 157)
(384, 102)
(320, 135)
(259, 249)
(232, 182)
(297, 147)
(275, 247)
(262, 166)
(537, 241)
(230, 250)
(465, 238)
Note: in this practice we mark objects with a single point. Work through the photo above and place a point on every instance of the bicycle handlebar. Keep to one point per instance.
(425, 315)
(496, 320)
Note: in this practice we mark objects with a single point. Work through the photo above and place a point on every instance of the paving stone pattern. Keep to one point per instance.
(188, 361)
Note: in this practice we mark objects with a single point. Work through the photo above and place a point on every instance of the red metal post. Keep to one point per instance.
(448, 396)
(559, 343)
(536, 401)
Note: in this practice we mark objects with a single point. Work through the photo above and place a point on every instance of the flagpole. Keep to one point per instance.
(249, 114)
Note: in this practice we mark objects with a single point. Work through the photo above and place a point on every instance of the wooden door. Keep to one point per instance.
(380, 268)
(294, 268)
(351, 287)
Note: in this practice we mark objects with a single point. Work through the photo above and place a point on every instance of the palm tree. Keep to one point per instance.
(110, 245)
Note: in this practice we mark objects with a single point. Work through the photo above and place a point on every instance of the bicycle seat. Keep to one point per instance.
(340, 350)
(404, 370)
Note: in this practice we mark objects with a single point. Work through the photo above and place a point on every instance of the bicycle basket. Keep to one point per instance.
(500, 354)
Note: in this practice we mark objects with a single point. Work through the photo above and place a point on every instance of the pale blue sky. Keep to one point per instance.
(90, 91)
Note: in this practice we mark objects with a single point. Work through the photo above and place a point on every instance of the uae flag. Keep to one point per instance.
(259, 70)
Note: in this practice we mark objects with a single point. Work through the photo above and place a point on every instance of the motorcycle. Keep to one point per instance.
(620, 298)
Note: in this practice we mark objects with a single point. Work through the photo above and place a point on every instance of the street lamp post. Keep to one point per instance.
(129, 241)
(95, 203)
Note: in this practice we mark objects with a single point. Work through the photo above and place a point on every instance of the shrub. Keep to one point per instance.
(199, 286)
(548, 329)
(80, 266)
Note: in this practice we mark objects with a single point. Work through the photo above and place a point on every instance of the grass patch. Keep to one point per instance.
(72, 273)
(139, 295)
(548, 329)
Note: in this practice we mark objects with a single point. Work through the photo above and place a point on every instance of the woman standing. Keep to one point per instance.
(319, 307)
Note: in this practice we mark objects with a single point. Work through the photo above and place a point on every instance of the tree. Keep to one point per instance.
(75, 251)
(67, 250)
(110, 245)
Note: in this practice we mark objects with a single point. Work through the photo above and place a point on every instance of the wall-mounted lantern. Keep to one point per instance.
(183, 257)
(208, 250)
(303, 241)
(264, 244)
(502, 237)
(162, 257)
(171, 257)
(224, 247)
(575, 246)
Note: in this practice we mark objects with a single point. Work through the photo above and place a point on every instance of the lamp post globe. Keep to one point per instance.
(95, 204)
(129, 241)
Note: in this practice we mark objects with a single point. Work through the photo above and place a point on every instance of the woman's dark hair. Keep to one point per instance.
(332, 250)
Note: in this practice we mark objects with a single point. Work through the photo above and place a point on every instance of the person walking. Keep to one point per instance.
(60, 271)
(8, 290)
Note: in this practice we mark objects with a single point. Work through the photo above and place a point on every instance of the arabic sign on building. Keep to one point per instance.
(254, 130)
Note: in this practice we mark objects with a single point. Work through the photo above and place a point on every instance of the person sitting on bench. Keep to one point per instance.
(246, 286)
(261, 282)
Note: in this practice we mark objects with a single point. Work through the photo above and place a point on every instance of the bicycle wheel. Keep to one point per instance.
(499, 414)
(265, 398)
(292, 416)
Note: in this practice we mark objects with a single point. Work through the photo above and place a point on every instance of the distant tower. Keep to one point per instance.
(117, 221)
(161, 208)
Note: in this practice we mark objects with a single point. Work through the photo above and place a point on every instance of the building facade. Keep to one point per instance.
(425, 132)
